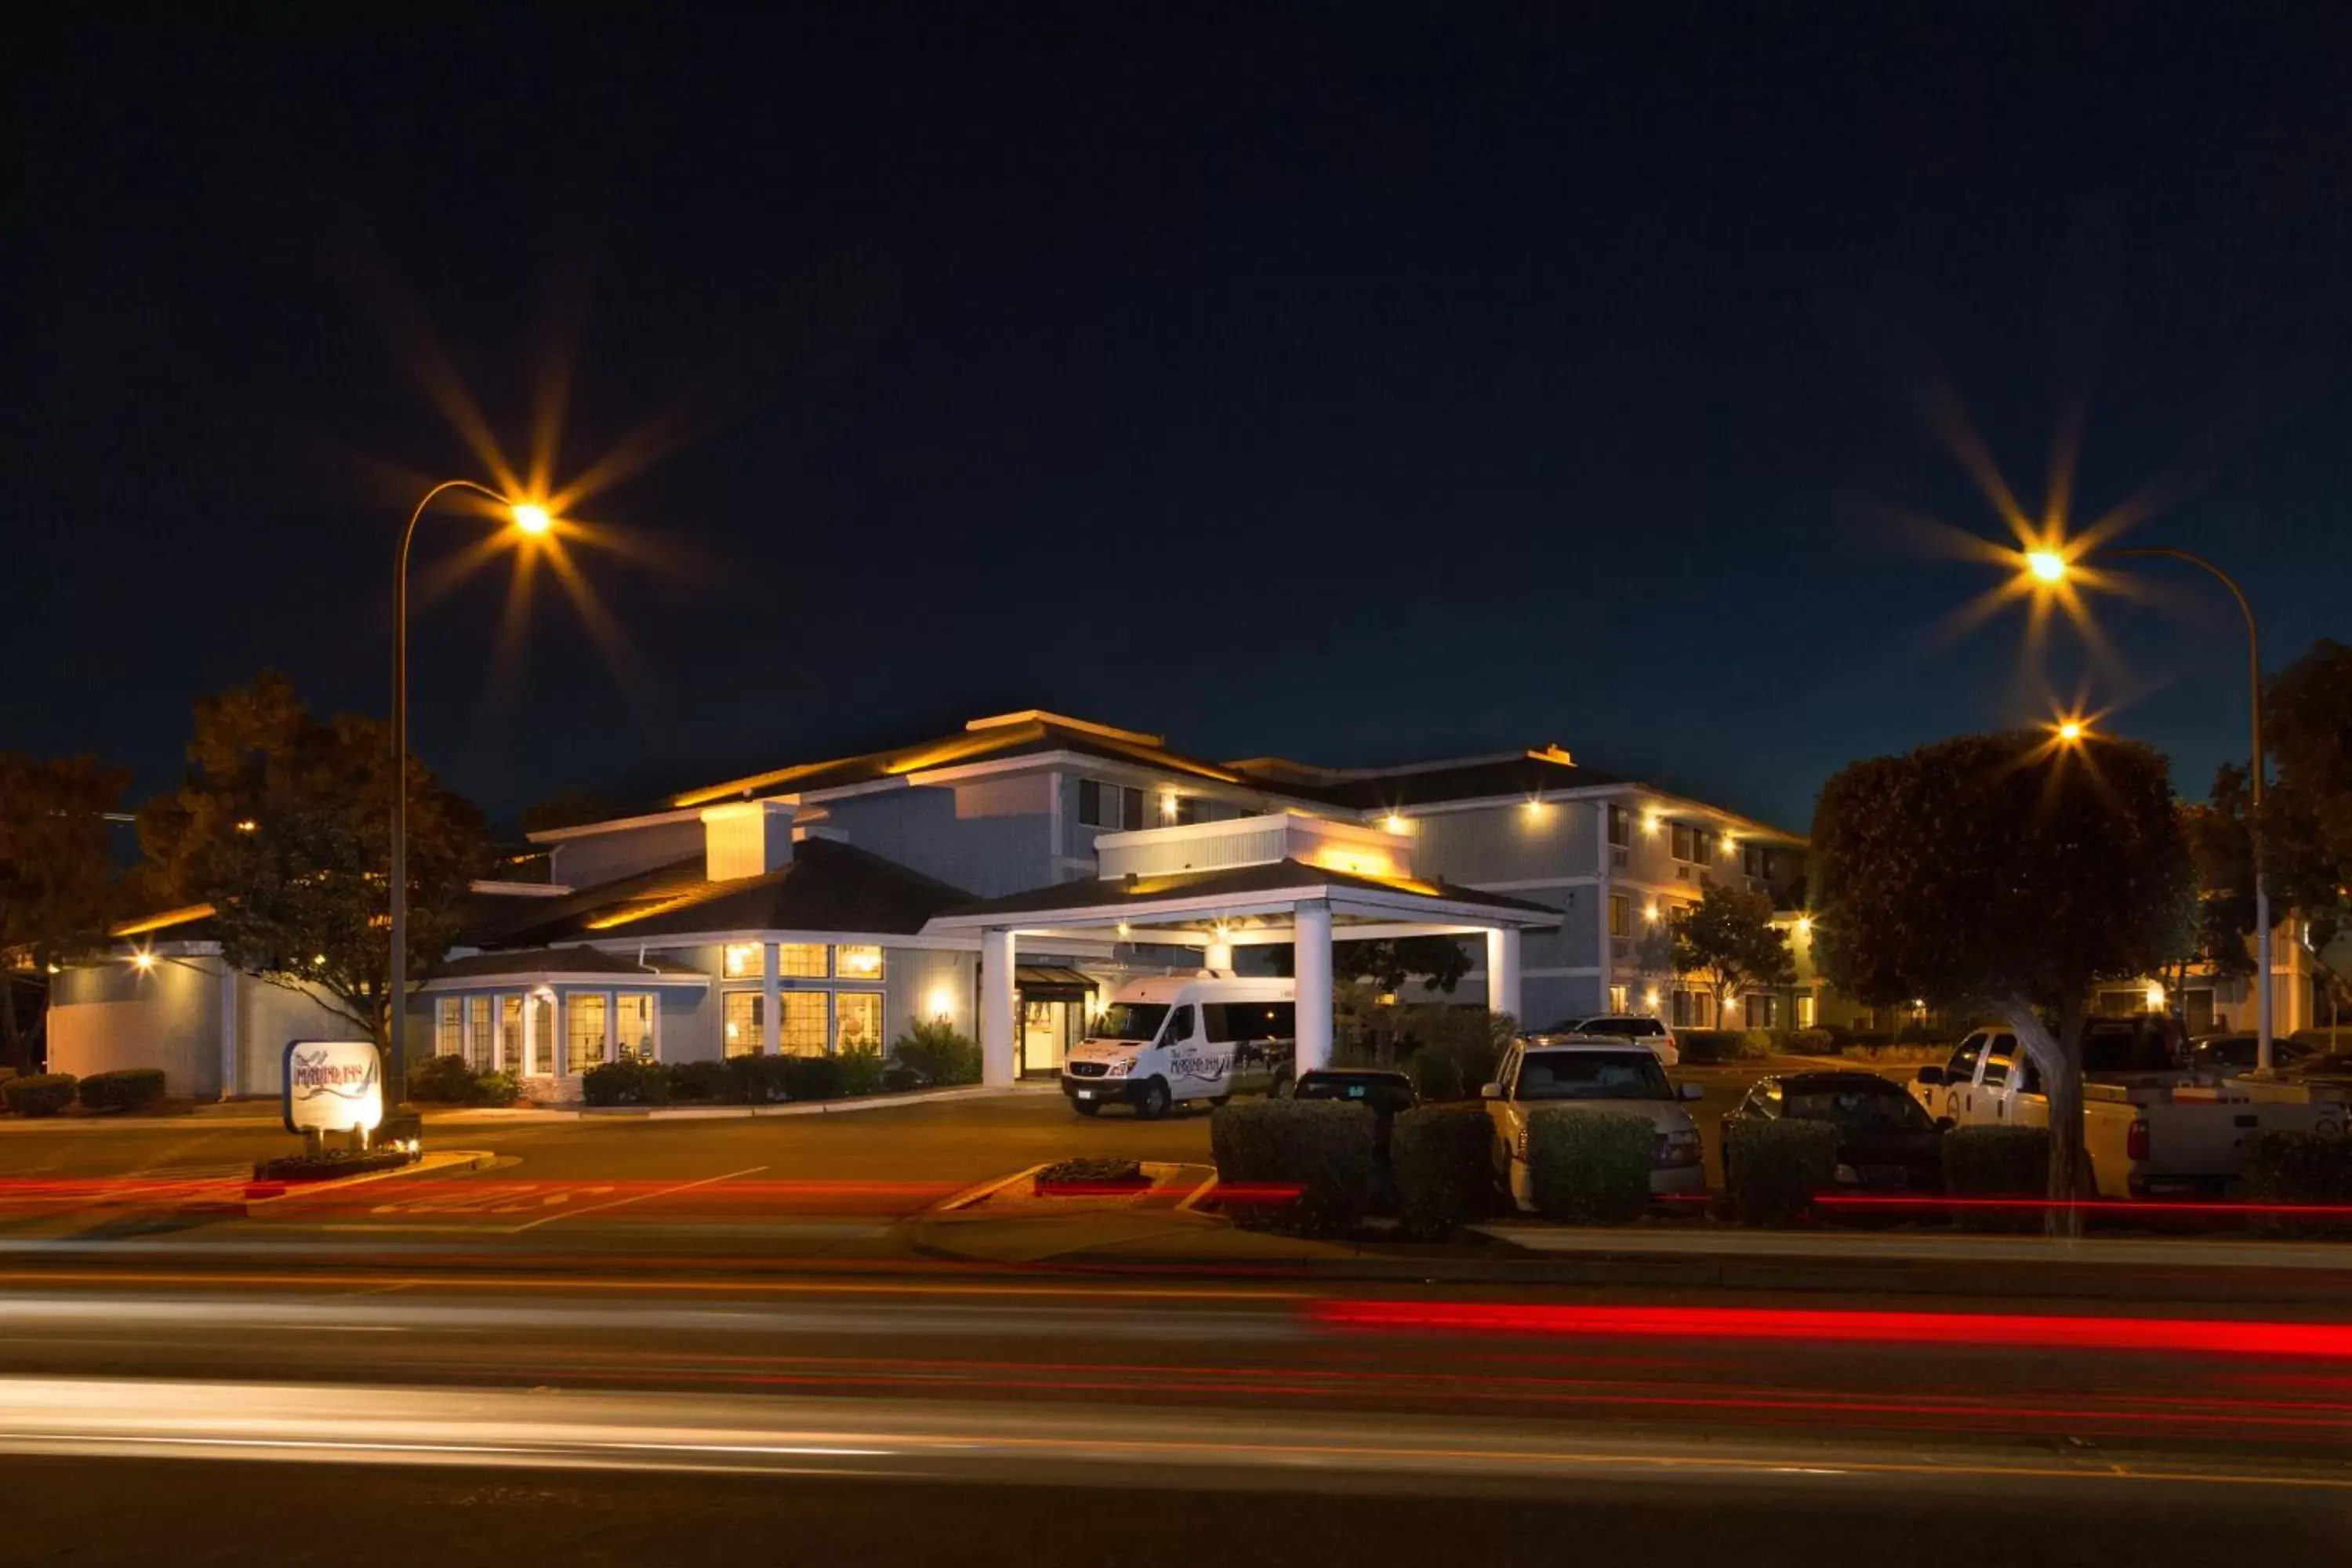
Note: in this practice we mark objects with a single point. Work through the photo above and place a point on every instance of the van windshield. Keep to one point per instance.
(1129, 1021)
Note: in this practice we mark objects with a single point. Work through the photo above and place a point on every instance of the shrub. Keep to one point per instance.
(936, 1053)
(697, 1081)
(496, 1088)
(861, 1071)
(814, 1077)
(326, 1167)
(1589, 1168)
(1997, 1162)
(125, 1088)
(1810, 1043)
(1436, 1073)
(1704, 1047)
(1444, 1161)
(1321, 1147)
(1774, 1168)
(757, 1079)
(38, 1094)
(1923, 1035)
(626, 1082)
(2299, 1168)
(442, 1081)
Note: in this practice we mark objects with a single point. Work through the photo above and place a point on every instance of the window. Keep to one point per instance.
(803, 1030)
(447, 1037)
(746, 1024)
(1621, 917)
(802, 960)
(479, 1041)
(1682, 838)
(511, 1034)
(1996, 1072)
(1620, 826)
(1090, 805)
(1619, 998)
(1179, 1025)
(584, 1032)
(742, 960)
(1592, 1075)
(633, 1025)
(1757, 862)
(1963, 1064)
(1239, 1022)
(1809, 1011)
(857, 1021)
(1691, 1009)
(1702, 845)
(1112, 806)
(1131, 809)
(1762, 1011)
(859, 961)
(1129, 1021)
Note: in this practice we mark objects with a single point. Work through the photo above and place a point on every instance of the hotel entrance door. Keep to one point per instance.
(1045, 1035)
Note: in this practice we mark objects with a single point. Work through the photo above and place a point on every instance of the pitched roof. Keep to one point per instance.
(1235, 882)
(565, 960)
(828, 886)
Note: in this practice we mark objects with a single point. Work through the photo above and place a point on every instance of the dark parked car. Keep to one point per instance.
(2227, 1056)
(1886, 1141)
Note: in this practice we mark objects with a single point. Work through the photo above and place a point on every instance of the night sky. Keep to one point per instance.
(1360, 384)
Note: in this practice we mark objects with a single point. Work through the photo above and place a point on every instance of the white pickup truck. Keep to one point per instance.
(2151, 1129)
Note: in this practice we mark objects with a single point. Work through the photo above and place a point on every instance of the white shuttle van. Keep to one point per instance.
(1178, 1037)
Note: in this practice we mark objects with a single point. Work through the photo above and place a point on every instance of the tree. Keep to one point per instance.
(1389, 963)
(56, 887)
(2216, 910)
(2004, 871)
(283, 824)
(1728, 939)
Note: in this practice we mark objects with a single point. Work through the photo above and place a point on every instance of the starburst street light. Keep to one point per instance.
(2052, 569)
(530, 518)
(2071, 730)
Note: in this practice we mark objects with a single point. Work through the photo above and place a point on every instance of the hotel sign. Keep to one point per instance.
(333, 1085)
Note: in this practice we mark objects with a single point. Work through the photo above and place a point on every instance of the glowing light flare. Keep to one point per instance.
(532, 519)
(143, 961)
(2047, 565)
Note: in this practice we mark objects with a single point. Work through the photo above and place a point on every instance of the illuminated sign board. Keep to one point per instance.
(333, 1086)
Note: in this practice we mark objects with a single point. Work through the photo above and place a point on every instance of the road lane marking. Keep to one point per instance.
(637, 1198)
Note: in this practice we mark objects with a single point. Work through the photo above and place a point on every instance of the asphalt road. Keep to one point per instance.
(229, 1414)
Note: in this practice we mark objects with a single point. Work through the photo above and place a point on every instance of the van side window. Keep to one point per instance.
(1220, 1022)
(1179, 1025)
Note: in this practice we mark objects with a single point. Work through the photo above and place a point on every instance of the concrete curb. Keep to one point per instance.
(736, 1112)
(444, 1163)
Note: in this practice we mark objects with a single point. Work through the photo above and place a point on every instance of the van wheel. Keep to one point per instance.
(1087, 1107)
(1153, 1102)
(1282, 1087)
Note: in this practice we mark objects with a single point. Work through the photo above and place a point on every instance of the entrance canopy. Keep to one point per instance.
(1217, 886)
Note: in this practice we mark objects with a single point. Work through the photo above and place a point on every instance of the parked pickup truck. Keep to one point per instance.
(2151, 1128)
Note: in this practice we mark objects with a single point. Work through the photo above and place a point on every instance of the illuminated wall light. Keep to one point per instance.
(1168, 807)
(1805, 925)
(940, 1002)
(142, 961)
(2155, 996)
(1650, 999)
(1124, 931)
(1651, 823)
(246, 825)
(1650, 912)
(1396, 823)
(1537, 809)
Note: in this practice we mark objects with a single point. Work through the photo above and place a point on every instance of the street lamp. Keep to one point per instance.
(532, 519)
(2048, 566)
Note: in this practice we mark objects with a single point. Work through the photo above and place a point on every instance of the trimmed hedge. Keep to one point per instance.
(1322, 1147)
(1774, 1168)
(1589, 1167)
(449, 1080)
(1809, 1043)
(626, 1082)
(757, 1079)
(697, 1082)
(125, 1088)
(327, 1168)
(1705, 1046)
(2299, 1168)
(861, 1072)
(1436, 1074)
(1997, 1162)
(937, 1054)
(38, 1094)
(1442, 1158)
(814, 1077)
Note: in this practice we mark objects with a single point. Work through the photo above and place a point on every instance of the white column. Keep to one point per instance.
(996, 1057)
(232, 1053)
(772, 1003)
(1502, 972)
(1312, 969)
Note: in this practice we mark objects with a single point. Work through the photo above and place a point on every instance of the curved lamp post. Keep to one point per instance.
(531, 519)
(2050, 566)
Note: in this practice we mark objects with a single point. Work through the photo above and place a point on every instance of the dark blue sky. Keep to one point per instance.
(1363, 383)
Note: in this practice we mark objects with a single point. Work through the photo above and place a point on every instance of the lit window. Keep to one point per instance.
(1682, 840)
(859, 961)
(1618, 998)
(1620, 826)
(857, 1020)
(1808, 1011)
(633, 1025)
(803, 1024)
(511, 1034)
(745, 1029)
(584, 1032)
(742, 960)
(479, 1044)
(1621, 914)
(447, 1040)
(802, 960)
